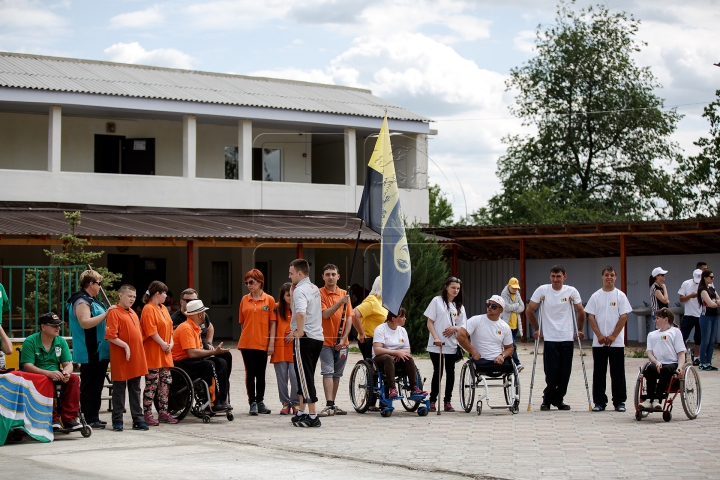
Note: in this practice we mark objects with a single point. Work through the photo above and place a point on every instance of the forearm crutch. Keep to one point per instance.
(537, 344)
(440, 392)
(582, 359)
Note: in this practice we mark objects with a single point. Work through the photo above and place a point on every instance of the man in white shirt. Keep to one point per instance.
(486, 337)
(607, 311)
(558, 330)
(691, 317)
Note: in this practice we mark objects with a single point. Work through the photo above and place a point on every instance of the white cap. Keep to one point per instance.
(697, 275)
(658, 271)
(497, 299)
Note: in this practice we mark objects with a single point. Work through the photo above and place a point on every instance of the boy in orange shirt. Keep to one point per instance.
(127, 359)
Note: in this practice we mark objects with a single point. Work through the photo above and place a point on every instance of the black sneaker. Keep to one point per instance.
(299, 418)
(599, 408)
(564, 406)
(544, 407)
(710, 368)
(696, 362)
(73, 426)
(253, 409)
(620, 407)
(138, 426)
(261, 408)
(97, 425)
(118, 427)
(222, 407)
(308, 422)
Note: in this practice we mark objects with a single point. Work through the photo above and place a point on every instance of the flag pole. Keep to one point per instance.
(349, 291)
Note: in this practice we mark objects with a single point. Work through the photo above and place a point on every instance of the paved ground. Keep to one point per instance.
(497, 444)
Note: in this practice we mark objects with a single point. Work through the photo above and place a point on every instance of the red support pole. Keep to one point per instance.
(623, 272)
(299, 250)
(455, 260)
(190, 264)
(522, 284)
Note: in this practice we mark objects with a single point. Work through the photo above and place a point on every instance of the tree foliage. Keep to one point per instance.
(601, 134)
(441, 212)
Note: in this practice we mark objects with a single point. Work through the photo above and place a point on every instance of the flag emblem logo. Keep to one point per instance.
(613, 304)
(499, 332)
(564, 299)
(664, 337)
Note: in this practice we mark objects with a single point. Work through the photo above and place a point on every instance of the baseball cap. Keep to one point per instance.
(658, 271)
(697, 275)
(49, 318)
(513, 282)
(497, 299)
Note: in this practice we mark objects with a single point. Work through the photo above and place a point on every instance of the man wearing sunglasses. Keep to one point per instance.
(179, 317)
(486, 337)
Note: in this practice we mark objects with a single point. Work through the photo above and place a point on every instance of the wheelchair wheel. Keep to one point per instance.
(86, 431)
(637, 398)
(362, 386)
(691, 393)
(180, 398)
(467, 386)
(512, 395)
(667, 415)
(423, 412)
(386, 413)
(201, 397)
(411, 405)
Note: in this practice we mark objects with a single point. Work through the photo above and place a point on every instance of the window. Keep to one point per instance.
(267, 164)
(231, 163)
(220, 284)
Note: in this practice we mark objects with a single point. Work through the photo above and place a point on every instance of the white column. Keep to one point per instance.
(417, 168)
(350, 158)
(54, 138)
(189, 146)
(245, 149)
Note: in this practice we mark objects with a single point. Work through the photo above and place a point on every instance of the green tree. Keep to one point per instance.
(429, 271)
(702, 172)
(441, 212)
(601, 134)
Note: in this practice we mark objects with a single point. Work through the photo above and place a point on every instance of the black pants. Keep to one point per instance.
(557, 360)
(208, 368)
(616, 357)
(657, 383)
(688, 323)
(92, 380)
(306, 353)
(227, 356)
(390, 368)
(449, 360)
(118, 400)
(255, 364)
(366, 348)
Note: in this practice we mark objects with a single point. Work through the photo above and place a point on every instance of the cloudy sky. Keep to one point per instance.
(445, 59)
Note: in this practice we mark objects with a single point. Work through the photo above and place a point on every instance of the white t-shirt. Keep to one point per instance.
(666, 345)
(692, 306)
(607, 308)
(488, 337)
(391, 339)
(438, 313)
(557, 317)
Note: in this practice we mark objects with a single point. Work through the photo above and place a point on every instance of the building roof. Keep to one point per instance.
(139, 81)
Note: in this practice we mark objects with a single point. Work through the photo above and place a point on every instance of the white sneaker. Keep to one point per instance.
(659, 406)
(647, 405)
(327, 412)
(520, 367)
(339, 411)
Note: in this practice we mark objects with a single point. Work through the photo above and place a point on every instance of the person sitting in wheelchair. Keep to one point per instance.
(666, 352)
(391, 346)
(487, 338)
(188, 353)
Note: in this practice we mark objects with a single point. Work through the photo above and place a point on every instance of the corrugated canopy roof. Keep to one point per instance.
(106, 78)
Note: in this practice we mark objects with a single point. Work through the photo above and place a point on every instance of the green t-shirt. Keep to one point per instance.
(4, 301)
(34, 352)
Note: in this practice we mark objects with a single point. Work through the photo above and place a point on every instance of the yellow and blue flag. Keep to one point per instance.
(381, 212)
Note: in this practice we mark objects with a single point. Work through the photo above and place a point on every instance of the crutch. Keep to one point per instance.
(442, 366)
(537, 344)
(582, 360)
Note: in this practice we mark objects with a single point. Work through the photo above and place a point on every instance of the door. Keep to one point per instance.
(138, 156)
(107, 153)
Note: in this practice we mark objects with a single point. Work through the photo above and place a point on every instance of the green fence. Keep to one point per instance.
(33, 291)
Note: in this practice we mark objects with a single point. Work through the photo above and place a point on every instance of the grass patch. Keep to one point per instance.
(639, 353)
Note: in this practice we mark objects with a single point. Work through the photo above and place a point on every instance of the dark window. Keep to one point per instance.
(231, 163)
(220, 283)
(117, 154)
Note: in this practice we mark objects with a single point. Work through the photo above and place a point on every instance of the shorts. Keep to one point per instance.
(329, 368)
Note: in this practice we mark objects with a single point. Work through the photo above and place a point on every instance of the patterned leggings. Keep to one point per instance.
(157, 381)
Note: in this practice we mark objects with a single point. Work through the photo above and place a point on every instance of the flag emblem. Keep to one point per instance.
(664, 337)
(613, 304)
(499, 332)
(564, 299)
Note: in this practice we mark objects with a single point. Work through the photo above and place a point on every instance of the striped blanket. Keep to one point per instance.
(26, 402)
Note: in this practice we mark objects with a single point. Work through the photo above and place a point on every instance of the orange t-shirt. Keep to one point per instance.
(156, 319)
(125, 325)
(283, 351)
(187, 335)
(331, 326)
(255, 317)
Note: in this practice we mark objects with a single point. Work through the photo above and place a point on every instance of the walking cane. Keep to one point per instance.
(537, 344)
(582, 359)
(442, 356)
(107, 302)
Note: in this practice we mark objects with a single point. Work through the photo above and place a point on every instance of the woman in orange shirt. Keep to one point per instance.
(282, 359)
(257, 317)
(158, 342)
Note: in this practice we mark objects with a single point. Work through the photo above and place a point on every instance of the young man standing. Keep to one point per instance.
(306, 329)
(558, 330)
(607, 311)
(333, 357)
(691, 318)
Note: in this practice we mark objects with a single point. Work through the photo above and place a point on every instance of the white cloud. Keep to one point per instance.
(150, 17)
(233, 15)
(28, 14)
(525, 41)
(135, 53)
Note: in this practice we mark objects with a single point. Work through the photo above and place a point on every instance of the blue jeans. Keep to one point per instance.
(708, 332)
(514, 355)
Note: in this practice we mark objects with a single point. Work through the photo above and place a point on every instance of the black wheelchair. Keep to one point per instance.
(506, 377)
(191, 396)
(688, 388)
(367, 385)
(85, 431)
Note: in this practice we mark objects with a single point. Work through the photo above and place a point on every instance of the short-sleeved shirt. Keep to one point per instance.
(488, 337)
(391, 339)
(331, 326)
(607, 308)
(692, 306)
(444, 316)
(34, 353)
(187, 335)
(666, 344)
(373, 314)
(156, 319)
(283, 350)
(557, 316)
(125, 325)
(655, 303)
(306, 299)
(179, 317)
(255, 317)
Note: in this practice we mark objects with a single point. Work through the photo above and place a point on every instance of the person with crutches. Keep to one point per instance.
(607, 312)
(560, 329)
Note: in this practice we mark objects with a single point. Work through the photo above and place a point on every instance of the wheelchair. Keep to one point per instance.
(85, 431)
(492, 376)
(191, 396)
(688, 388)
(367, 384)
